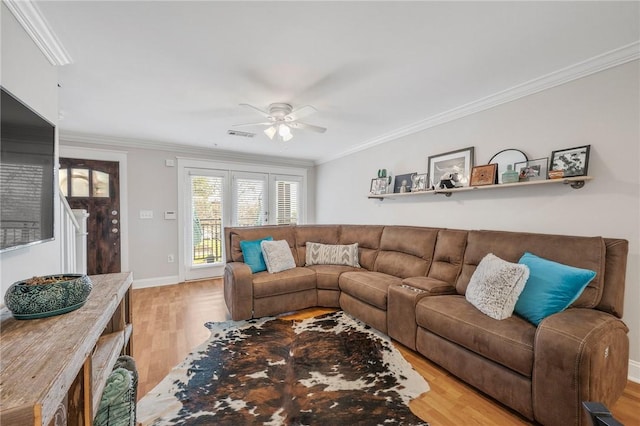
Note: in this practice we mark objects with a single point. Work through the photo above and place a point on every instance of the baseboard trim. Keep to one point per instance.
(634, 371)
(155, 282)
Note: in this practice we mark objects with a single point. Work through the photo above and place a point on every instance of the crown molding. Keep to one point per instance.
(91, 140)
(613, 58)
(31, 19)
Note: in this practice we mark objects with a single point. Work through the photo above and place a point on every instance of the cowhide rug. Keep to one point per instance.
(328, 370)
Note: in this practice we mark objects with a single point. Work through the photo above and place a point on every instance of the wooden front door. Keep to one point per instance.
(95, 186)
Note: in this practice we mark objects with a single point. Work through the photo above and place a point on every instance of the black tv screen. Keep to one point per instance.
(27, 156)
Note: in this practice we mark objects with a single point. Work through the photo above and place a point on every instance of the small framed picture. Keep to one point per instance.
(403, 183)
(420, 182)
(379, 186)
(454, 166)
(532, 169)
(484, 175)
(571, 161)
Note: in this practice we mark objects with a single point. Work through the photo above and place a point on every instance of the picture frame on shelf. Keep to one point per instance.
(484, 175)
(403, 183)
(570, 161)
(453, 166)
(533, 169)
(379, 186)
(420, 182)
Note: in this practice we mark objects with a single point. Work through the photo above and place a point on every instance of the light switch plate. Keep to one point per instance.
(146, 214)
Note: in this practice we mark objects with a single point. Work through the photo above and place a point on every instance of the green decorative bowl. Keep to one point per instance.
(30, 301)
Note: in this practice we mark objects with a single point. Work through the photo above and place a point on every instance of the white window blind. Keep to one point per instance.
(287, 201)
(207, 207)
(250, 197)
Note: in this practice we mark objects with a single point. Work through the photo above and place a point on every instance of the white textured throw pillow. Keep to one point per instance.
(277, 256)
(332, 254)
(495, 286)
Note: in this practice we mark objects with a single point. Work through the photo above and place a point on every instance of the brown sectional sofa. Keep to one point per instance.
(411, 286)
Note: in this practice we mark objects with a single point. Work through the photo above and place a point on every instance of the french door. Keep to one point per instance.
(215, 198)
(205, 217)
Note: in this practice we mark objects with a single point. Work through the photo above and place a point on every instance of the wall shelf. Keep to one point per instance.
(574, 182)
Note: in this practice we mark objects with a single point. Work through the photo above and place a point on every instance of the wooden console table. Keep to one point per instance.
(58, 365)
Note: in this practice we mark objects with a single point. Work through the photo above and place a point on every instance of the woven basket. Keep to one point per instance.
(118, 402)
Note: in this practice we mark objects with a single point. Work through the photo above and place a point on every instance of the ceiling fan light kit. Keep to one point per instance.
(282, 118)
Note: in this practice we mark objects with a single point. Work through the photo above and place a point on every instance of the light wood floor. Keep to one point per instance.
(169, 322)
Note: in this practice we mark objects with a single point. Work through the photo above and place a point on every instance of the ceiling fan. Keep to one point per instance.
(282, 118)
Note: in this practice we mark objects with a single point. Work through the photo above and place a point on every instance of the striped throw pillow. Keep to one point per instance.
(332, 254)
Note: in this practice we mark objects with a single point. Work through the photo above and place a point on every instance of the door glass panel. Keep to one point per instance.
(62, 180)
(79, 182)
(206, 230)
(250, 200)
(287, 202)
(100, 184)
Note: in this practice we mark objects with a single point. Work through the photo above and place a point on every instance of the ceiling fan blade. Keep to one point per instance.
(258, 110)
(265, 123)
(300, 113)
(305, 126)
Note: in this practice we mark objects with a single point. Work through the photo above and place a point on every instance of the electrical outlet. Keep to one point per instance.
(170, 258)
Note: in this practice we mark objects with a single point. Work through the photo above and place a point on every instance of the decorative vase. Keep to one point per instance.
(510, 176)
(58, 294)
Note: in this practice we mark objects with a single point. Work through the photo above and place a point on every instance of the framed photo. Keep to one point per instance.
(571, 161)
(379, 186)
(403, 183)
(420, 183)
(532, 169)
(484, 175)
(454, 166)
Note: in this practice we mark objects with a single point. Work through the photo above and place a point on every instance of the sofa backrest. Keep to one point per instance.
(448, 255)
(325, 234)
(406, 251)
(368, 239)
(452, 255)
(233, 236)
(581, 252)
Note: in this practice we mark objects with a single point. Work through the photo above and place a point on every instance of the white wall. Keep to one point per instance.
(154, 186)
(29, 76)
(602, 110)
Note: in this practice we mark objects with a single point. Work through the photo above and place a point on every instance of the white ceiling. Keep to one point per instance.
(175, 71)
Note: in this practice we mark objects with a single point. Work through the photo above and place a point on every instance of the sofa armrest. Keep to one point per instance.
(579, 355)
(238, 290)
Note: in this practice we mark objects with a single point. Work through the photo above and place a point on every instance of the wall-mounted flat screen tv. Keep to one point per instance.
(27, 158)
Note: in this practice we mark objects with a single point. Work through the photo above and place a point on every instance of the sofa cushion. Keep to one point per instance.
(277, 256)
(332, 254)
(369, 287)
(368, 239)
(406, 251)
(448, 255)
(327, 275)
(285, 282)
(495, 286)
(508, 342)
(325, 234)
(252, 254)
(551, 287)
(233, 236)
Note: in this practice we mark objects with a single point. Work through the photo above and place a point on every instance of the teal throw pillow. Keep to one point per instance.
(551, 288)
(252, 253)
